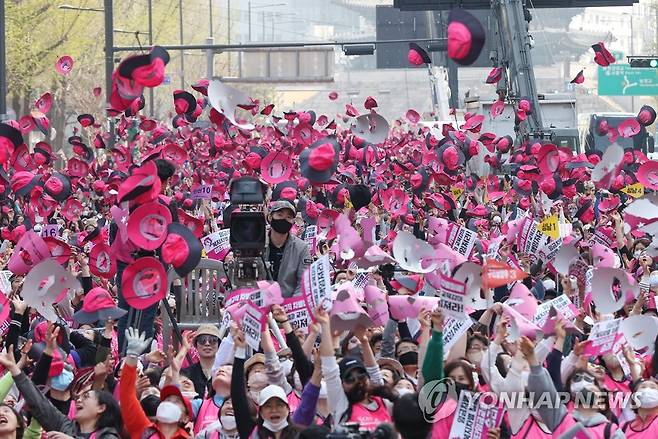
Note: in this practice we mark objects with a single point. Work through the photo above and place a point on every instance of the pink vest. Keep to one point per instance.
(443, 419)
(369, 419)
(598, 431)
(208, 413)
(633, 429)
(293, 401)
(616, 387)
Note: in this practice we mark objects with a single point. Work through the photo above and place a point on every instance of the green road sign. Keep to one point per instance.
(624, 80)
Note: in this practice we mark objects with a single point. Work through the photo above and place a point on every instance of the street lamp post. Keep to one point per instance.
(3, 63)
(249, 8)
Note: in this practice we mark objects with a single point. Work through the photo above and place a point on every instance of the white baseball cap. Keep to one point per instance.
(272, 391)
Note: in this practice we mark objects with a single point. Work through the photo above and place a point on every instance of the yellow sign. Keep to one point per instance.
(634, 190)
(456, 192)
(549, 227)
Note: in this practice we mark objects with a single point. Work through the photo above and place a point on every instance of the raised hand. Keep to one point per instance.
(136, 342)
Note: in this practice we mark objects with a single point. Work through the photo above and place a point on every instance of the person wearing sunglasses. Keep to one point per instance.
(206, 342)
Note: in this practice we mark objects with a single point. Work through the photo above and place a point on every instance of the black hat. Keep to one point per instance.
(348, 364)
(360, 196)
(418, 56)
(465, 37)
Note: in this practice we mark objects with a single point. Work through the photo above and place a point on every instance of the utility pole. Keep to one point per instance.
(109, 58)
(3, 64)
(150, 16)
(182, 53)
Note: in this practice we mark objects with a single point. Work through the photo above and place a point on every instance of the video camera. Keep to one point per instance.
(351, 430)
(247, 237)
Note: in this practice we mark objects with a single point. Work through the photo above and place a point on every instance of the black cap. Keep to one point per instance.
(347, 364)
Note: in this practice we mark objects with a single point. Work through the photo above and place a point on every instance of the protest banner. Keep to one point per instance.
(496, 273)
(295, 308)
(453, 329)
(460, 239)
(549, 227)
(635, 190)
(202, 192)
(475, 416)
(311, 238)
(453, 294)
(252, 324)
(530, 239)
(50, 231)
(243, 295)
(217, 244)
(602, 337)
(316, 285)
(550, 250)
(5, 284)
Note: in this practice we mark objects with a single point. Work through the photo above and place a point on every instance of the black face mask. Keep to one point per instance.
(460, 387)
(408, 358)
(282, 226)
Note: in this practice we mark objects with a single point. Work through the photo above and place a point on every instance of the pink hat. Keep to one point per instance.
(147, 225)
(144, 282)
(98, 305)
(402, 307)
(29, 251)
(523, 300)
(346, 313)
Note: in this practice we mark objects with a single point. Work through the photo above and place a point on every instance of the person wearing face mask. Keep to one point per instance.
(645, 424)
(589, 401)
(173, 412)
(287, 254)
(206, 410)
(355, 388)
(225, 427)
(274, 419)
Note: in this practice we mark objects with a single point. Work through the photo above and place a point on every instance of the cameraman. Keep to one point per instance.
(288, 255)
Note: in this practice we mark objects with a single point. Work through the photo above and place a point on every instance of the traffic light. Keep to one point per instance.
(650, 62)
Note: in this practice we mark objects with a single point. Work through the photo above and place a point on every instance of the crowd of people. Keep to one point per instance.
(410, 280)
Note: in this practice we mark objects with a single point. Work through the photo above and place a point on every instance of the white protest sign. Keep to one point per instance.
(202, 192)
(295, 308)
(541, 315)
(530, 239)
(602, 337)
(251, 326)
(453, 294)
(217, 241)
(316, 284)
(5, 284)
(50, 231)
(311, 237)
(453, 329)
(243, 295)
(225, 324)
(461, 239)
(475, 416)
(548, 252)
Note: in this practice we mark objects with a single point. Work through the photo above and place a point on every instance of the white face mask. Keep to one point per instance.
(168, 413)
(475, 358)
(577, 387)
(228, 422)
(403, 391)
(190, 395)
(275, 428)
(648, 398)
